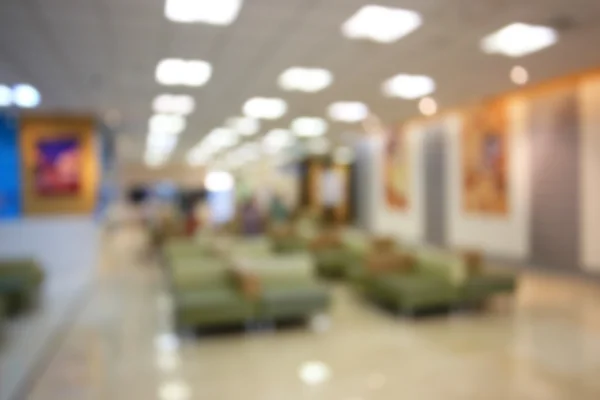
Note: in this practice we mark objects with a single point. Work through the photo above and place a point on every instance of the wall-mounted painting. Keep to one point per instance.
(397, 170)
(485, 155)
(58, 167)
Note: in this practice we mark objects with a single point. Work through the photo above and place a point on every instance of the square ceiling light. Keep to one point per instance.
(178, 72)
(244, 125)
(174, 104)
(381, 24)
(166, 124)
(517, 40)
(277, 139)
(348, 111)
(213, 12)
(265, 108)
(409, 86)
(5, 96)
(309, 126)
(308, 80)
(221, 138)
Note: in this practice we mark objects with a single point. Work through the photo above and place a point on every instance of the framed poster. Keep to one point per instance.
(397, 170)
(58, 167)
(485, 155)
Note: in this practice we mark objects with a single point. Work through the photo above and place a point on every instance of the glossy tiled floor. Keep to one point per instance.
(544, 346)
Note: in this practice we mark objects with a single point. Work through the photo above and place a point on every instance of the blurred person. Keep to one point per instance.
(278, 211)
(251, 218)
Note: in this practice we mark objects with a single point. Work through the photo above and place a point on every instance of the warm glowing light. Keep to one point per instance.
(428, 106)
(519, 75)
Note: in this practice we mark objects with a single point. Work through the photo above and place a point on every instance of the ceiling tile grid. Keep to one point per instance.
(101, 55)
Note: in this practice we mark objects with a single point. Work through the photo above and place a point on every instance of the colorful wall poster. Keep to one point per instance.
(397, 170)
(485, 160)
(58, 167)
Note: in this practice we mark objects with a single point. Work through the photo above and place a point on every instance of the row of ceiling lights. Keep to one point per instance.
(372, 22)
(21, 95)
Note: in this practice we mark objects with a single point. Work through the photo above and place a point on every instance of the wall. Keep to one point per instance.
(66, 247)
(138, 174)
(553, 171)
(590, 174)
(499, 235)
(407, 225)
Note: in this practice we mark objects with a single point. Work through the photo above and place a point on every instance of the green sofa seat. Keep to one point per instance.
(212, 306)
(20, 283)
(480, 287)
(292, 299)
(412, 292)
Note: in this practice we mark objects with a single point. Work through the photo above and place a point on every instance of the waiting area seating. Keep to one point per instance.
(20, 283)
(240, 281)
(408, 279)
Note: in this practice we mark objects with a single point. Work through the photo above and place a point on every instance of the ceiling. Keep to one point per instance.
(100, 55)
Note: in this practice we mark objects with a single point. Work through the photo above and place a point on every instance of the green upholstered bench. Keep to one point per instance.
(20, 283)
(217, 305)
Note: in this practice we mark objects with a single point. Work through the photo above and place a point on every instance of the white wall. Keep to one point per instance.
(506, 236)
(590, 175)
(409, 225)
(66, 247)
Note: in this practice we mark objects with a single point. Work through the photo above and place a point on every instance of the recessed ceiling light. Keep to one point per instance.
(154, 160)
(318, 146)
(314, 372)
(343, 155)
(167, 124)
(309, 126)
(174, 71)
(160, 143)
(181, 104)
(350, 111)
(428, 106)
(309, 80)
(25, 96)
(214, 12)
(517, 40)
(244, 125)
(409, 86)
(265, 108)
(519, 75)
(198, 156)
(277, 139)
(219, 181)
(381, 24)
(5, 96)
(221, 138)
